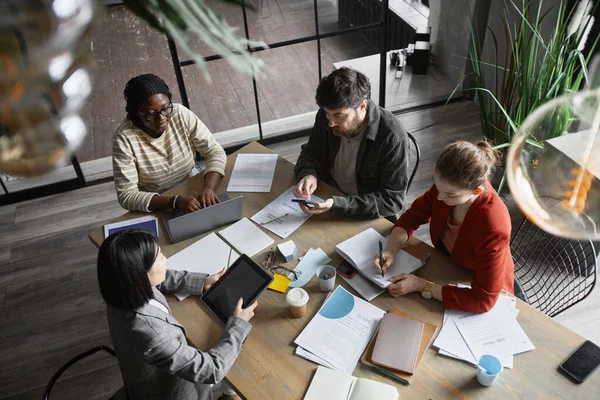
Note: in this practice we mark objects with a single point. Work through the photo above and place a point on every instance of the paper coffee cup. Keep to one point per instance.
(297, 300)
(493, 366)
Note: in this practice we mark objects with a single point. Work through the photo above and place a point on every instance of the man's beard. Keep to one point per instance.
(356, 129)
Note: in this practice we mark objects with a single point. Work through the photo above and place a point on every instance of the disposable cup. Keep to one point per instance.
(297, 299)
(493, 366)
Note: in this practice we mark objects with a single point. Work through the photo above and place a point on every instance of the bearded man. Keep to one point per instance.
(356, 146)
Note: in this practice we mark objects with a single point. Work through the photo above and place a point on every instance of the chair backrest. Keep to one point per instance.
(72, 361)
(417, 159)
(554, 272)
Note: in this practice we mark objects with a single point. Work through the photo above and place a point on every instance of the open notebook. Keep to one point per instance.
(361, 249)
(334, 385)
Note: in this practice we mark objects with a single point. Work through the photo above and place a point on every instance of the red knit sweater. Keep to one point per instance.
(482, 245)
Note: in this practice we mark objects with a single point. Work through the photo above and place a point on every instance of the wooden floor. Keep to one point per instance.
(124, 46)
(50, 305)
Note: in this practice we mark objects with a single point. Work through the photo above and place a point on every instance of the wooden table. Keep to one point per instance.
(267, 367)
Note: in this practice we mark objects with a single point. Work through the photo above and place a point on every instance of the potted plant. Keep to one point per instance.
(536, 69)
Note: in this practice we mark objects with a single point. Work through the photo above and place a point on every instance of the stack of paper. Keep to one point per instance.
(467, 336)
(246, 237)
(252, 173)
(340, 332)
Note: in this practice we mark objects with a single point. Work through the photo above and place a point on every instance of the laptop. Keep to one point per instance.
(181, 226)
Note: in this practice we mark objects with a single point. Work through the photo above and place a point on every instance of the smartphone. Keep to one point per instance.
(309, 204)
(582, 362)
(345, 269)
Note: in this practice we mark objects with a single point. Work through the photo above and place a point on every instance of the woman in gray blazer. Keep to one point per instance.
(155, 360)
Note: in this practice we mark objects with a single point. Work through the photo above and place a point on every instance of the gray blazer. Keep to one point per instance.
(155, 360)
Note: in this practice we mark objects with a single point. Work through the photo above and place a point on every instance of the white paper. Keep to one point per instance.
(360, 251)
(331, 385)
(246, 237)
(252, 173)
(495, 332)
(367, 289)
(341, 330)
(282, 216)
(208, 255)
(307, 267)
(307, 355)
(451, 343)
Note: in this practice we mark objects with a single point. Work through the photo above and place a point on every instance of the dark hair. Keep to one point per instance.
(139, 89)
(124, 260)
(467, 165)
(344, 87)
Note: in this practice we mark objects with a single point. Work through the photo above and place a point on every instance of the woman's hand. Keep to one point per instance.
(207, 197)
(405, 283)
(211, 279)
(188, 204)
(245, 313)
(388, 259)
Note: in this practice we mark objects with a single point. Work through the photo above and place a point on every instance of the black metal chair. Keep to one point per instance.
(552, 273)
(72, 361)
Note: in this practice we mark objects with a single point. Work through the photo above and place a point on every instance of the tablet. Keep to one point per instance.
(244, 279)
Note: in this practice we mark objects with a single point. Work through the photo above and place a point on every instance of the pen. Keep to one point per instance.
(381, 257)
(274, 219)
(229, 258)
(389, 375)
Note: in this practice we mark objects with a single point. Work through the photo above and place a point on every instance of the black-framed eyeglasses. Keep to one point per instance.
(269, 265)
(165, 112)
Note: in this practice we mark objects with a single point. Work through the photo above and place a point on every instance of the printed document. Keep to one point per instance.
(341, 330)
(252, 173)
(282, 216)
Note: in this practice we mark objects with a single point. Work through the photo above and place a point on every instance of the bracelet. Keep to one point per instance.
(174, 202)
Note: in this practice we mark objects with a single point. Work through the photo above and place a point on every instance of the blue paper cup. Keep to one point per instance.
(329, 273)
(493, 367)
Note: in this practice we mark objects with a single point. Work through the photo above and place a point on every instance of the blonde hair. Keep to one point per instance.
(467, 165)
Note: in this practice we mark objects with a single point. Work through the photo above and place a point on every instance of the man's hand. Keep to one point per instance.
(211, 279)
(306, 187)
(405, 283)
(188, 204)
(318, 208)
(208, 197)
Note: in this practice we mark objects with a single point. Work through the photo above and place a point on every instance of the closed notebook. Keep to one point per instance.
(334, 385)
(397, 343)
(429, 331)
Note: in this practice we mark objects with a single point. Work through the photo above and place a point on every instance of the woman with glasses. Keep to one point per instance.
(154, 149)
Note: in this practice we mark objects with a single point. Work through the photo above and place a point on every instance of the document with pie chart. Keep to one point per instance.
(340, 331)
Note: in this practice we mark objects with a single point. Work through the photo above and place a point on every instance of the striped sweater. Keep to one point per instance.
(144, 166)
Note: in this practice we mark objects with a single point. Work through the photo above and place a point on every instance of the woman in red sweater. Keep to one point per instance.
(468, 221)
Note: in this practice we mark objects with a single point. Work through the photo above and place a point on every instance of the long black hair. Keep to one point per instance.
(124, 260)
(139, 89)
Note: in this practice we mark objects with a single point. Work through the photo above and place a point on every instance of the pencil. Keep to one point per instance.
(381, 257)
(389, 375)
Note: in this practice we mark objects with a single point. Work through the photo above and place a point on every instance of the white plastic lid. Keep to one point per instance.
(297, 297)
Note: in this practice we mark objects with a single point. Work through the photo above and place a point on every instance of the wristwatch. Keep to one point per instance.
(426, 293)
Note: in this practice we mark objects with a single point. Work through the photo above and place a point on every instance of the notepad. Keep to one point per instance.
(397, 343)
(361, 249)
(429, 331)
(246, 237)
(148, 222)
(334, 385)
(280, 283)
(208, 255)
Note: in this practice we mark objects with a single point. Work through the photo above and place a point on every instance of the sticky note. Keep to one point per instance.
(280, 283)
